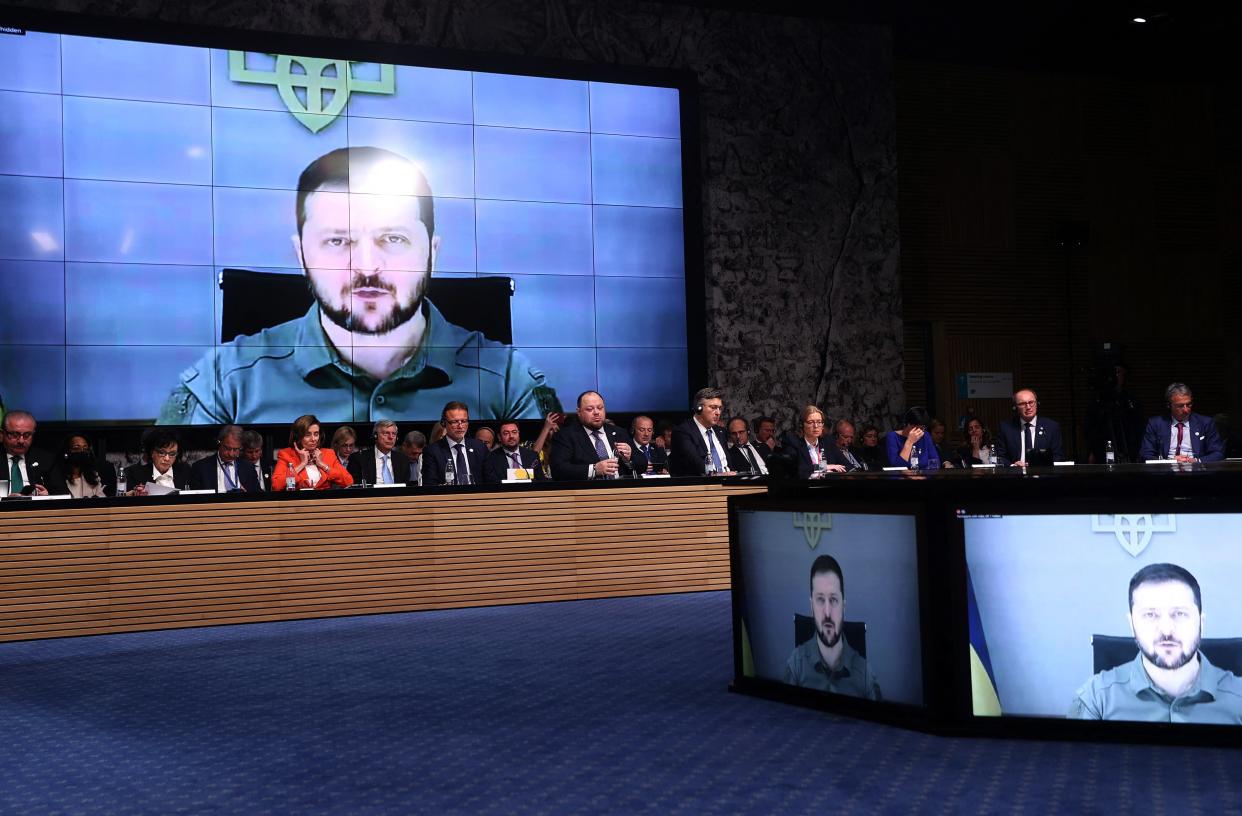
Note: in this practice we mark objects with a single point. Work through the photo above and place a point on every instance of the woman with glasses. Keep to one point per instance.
(163, 466)
(911, 446)
(307, 464)
(344, 443)
(808, 447)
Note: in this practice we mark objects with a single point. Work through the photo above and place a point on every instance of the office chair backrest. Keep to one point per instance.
(254, 301)
(855, 632)
(1110, 651)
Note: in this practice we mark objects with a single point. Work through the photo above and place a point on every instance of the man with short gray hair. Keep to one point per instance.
(382, 462)
(1181, 434)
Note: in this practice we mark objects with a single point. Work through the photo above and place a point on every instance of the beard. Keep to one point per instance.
(344, 316)
(1180, 659)
(828, 641)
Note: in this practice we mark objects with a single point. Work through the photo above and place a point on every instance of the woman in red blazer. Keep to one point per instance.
(306, 462)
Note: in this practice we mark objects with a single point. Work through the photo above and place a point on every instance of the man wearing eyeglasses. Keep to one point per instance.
(162, 466)
(1027, 437)
(224, 473)
(454, 452)
(1181, 434)
(25, 466)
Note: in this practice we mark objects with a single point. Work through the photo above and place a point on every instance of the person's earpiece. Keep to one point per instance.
(698, 409)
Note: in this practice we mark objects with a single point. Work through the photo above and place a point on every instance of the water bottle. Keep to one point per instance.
(450, 471)
(992, 455)
(1109, 456)
(291, 482)
(709, 467)
(120, 482)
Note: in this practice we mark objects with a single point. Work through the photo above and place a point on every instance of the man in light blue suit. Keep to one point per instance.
(1181, 434)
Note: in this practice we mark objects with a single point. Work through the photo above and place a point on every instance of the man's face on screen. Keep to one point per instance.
(368, 258)
(827, 607)
(1167, 625)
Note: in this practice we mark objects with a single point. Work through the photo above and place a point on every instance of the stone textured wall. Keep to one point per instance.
(799, 198)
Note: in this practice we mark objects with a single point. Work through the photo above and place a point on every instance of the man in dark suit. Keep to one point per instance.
(765, 436)
(225, 472)
(510, 455)
(25, 467)
(382, 462)
(592, 449)
(163, 466)
(743, 456)
(1026, 432)
(252, 459)
(698, 445)
(643, 431)
(1181, 434)
(454, 452)
(841, 451)
(412, 446)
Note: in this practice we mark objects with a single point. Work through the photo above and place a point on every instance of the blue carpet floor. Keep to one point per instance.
(614, 706)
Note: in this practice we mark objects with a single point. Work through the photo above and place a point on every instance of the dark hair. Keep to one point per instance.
(334, 168)
(300, 426)
(826, 563)
(252, 440)
(737, 419)
(704, 394)
(759, 420)
(1164, 573)
(454, 406)
(90, 469)
(159, 438)
(584, 393)
(915, 416)
(500, 426)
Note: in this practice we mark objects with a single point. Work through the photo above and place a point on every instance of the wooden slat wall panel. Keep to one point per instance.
(73, 570)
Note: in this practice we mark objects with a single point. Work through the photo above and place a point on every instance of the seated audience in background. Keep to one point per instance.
(698, 445)
(643, 431)
(1181, 434)
(744, 457)
(807, 446)
(383, 462)
(454, 459)
(910, 446)
(869, 449)
(976, 450)
(1027, 431)
(664, 435)
(765, 436)
(163, 466)
(252, 458)
(590, 449)
(77, 471)
(25, 467)
(936, 430)
(223, 472)
(487, 436)
(310, 465)
(344, 443)
(841, 451)
(510, 455)
(412, 446)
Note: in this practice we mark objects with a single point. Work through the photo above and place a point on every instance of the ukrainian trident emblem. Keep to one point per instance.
(1133, 532)
(812, 526)
(315, 90)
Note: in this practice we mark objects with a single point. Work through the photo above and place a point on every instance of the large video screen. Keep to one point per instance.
(198, 235)
(830, 602)
(1106, 617)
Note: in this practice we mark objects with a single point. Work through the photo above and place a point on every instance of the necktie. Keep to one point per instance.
(711, 446)
(647, 453)
(387, 473)
(517, 460)
(460, 459)
(16, 483)
(850, 458)
(1178, 449)
(230, 481)
(1030, 437)
(600, 450)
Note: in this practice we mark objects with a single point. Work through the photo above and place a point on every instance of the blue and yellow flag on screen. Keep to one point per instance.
(983, 694)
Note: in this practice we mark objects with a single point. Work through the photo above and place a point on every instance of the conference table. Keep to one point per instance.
(96, 566)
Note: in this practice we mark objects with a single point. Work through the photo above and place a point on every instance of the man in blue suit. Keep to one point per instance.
(1027, 433)
(466, 455)
(1181, 434)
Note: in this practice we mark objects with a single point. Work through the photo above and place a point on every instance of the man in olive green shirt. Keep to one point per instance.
(826, 662)
(1169, 680)
(372, 346)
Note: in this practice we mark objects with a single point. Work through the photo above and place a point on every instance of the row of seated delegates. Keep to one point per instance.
(458, 459)
(590, 447)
